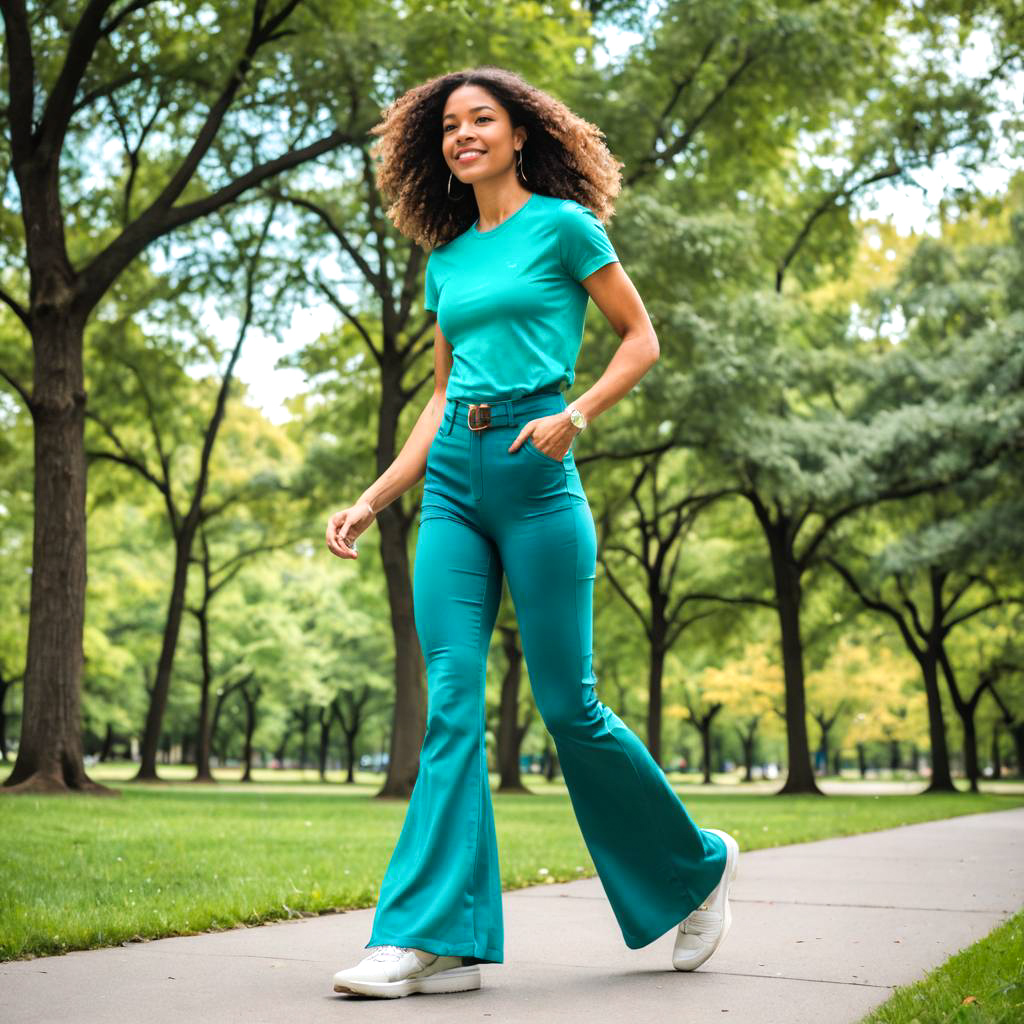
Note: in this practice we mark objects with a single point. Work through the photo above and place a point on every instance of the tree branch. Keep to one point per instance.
(20, 311)
(60, 103)
(17, 386)
(21, 77)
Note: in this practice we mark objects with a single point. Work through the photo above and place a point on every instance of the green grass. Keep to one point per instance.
(80, 872)
(983, 984)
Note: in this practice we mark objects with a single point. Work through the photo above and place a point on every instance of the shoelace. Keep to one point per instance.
(703, 923)
(390, 952)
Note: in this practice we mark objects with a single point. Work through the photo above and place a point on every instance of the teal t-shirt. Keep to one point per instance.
(510, 302)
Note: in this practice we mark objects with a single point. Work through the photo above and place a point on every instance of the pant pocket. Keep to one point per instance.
(537, 453)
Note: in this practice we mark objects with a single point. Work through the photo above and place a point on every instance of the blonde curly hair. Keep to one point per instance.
(565, 156)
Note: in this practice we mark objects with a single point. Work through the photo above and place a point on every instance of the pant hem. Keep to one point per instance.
(486, 954)
(636, 940)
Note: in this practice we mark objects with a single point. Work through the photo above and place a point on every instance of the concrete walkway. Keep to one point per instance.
(821, 932)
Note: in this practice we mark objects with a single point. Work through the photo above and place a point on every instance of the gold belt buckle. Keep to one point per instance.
(483, 417)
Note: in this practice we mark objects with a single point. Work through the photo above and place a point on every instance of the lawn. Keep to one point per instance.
(983, 984)
(172, 858)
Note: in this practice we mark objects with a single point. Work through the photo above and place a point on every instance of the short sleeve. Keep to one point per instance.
(583, 242)
(430, 287)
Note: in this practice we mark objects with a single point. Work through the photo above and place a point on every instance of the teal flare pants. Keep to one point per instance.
(488, 512)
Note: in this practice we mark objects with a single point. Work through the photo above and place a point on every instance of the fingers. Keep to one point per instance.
(340, 540)
(522, 435)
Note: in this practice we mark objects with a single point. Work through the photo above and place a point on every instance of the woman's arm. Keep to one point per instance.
(409, 465)
(615, 295)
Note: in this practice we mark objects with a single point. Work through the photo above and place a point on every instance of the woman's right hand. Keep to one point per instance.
(346, 526)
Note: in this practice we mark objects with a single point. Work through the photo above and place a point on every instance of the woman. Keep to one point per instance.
(508, 188)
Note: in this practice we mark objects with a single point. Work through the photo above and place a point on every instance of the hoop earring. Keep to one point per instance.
(450, 196)
(519, 166)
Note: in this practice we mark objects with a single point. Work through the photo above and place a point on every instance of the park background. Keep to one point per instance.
(809, 591)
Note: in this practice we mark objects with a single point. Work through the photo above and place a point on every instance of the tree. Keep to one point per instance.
(655, 521)
(119, 78)
(750, 689)
(755, 382)
(956, 384)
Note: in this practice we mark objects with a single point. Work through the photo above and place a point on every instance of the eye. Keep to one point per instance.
(482, 117)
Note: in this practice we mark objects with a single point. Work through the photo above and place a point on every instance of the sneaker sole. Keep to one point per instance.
(733, 851)
(456, 979)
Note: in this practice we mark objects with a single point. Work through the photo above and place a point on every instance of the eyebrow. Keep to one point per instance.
(483, 106)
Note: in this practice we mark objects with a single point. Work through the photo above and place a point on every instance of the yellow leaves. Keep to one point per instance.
(750, 684)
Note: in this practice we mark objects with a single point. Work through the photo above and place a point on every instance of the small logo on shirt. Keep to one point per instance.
(511, 266)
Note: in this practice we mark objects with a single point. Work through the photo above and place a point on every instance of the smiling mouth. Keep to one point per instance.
(468, 156)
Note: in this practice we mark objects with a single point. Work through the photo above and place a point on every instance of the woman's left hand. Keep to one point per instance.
(553, 435)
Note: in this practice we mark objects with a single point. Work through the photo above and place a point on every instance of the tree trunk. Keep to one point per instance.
(1017, 732)
(165, 666)
(971, 769)
(108, 744)
(862, 761)
(786, 574)
(941, 780)
(894, 756)
(250, 729)
(655, 676)
(510, 733)
(825, 725)
(748, 738)
(350, 754)
(326, 717)
(705, 747)
(409, 717)
(304, 735)
(282, 747)
(997, 760)
(551, 760)
(50, 756)
(189, 747)
(203, 770)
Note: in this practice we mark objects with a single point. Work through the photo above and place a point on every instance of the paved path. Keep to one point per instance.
(821, 932)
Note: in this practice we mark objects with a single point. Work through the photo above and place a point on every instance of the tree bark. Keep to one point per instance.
(50, 756)
(748, 737)
(655, 680)
(304, 720)
(251, 701)
(941, 778)
(788, 596)
(409, 719)
(510, 733)
(326, 717)
(203, 771)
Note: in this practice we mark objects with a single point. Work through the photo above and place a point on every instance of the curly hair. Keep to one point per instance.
(564, 156)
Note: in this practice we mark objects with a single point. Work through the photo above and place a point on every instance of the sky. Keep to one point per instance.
(908, 209)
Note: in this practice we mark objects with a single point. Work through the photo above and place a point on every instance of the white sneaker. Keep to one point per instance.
(701, 933)
(392, 971)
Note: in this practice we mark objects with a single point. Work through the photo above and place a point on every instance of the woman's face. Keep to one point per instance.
(473, 120)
